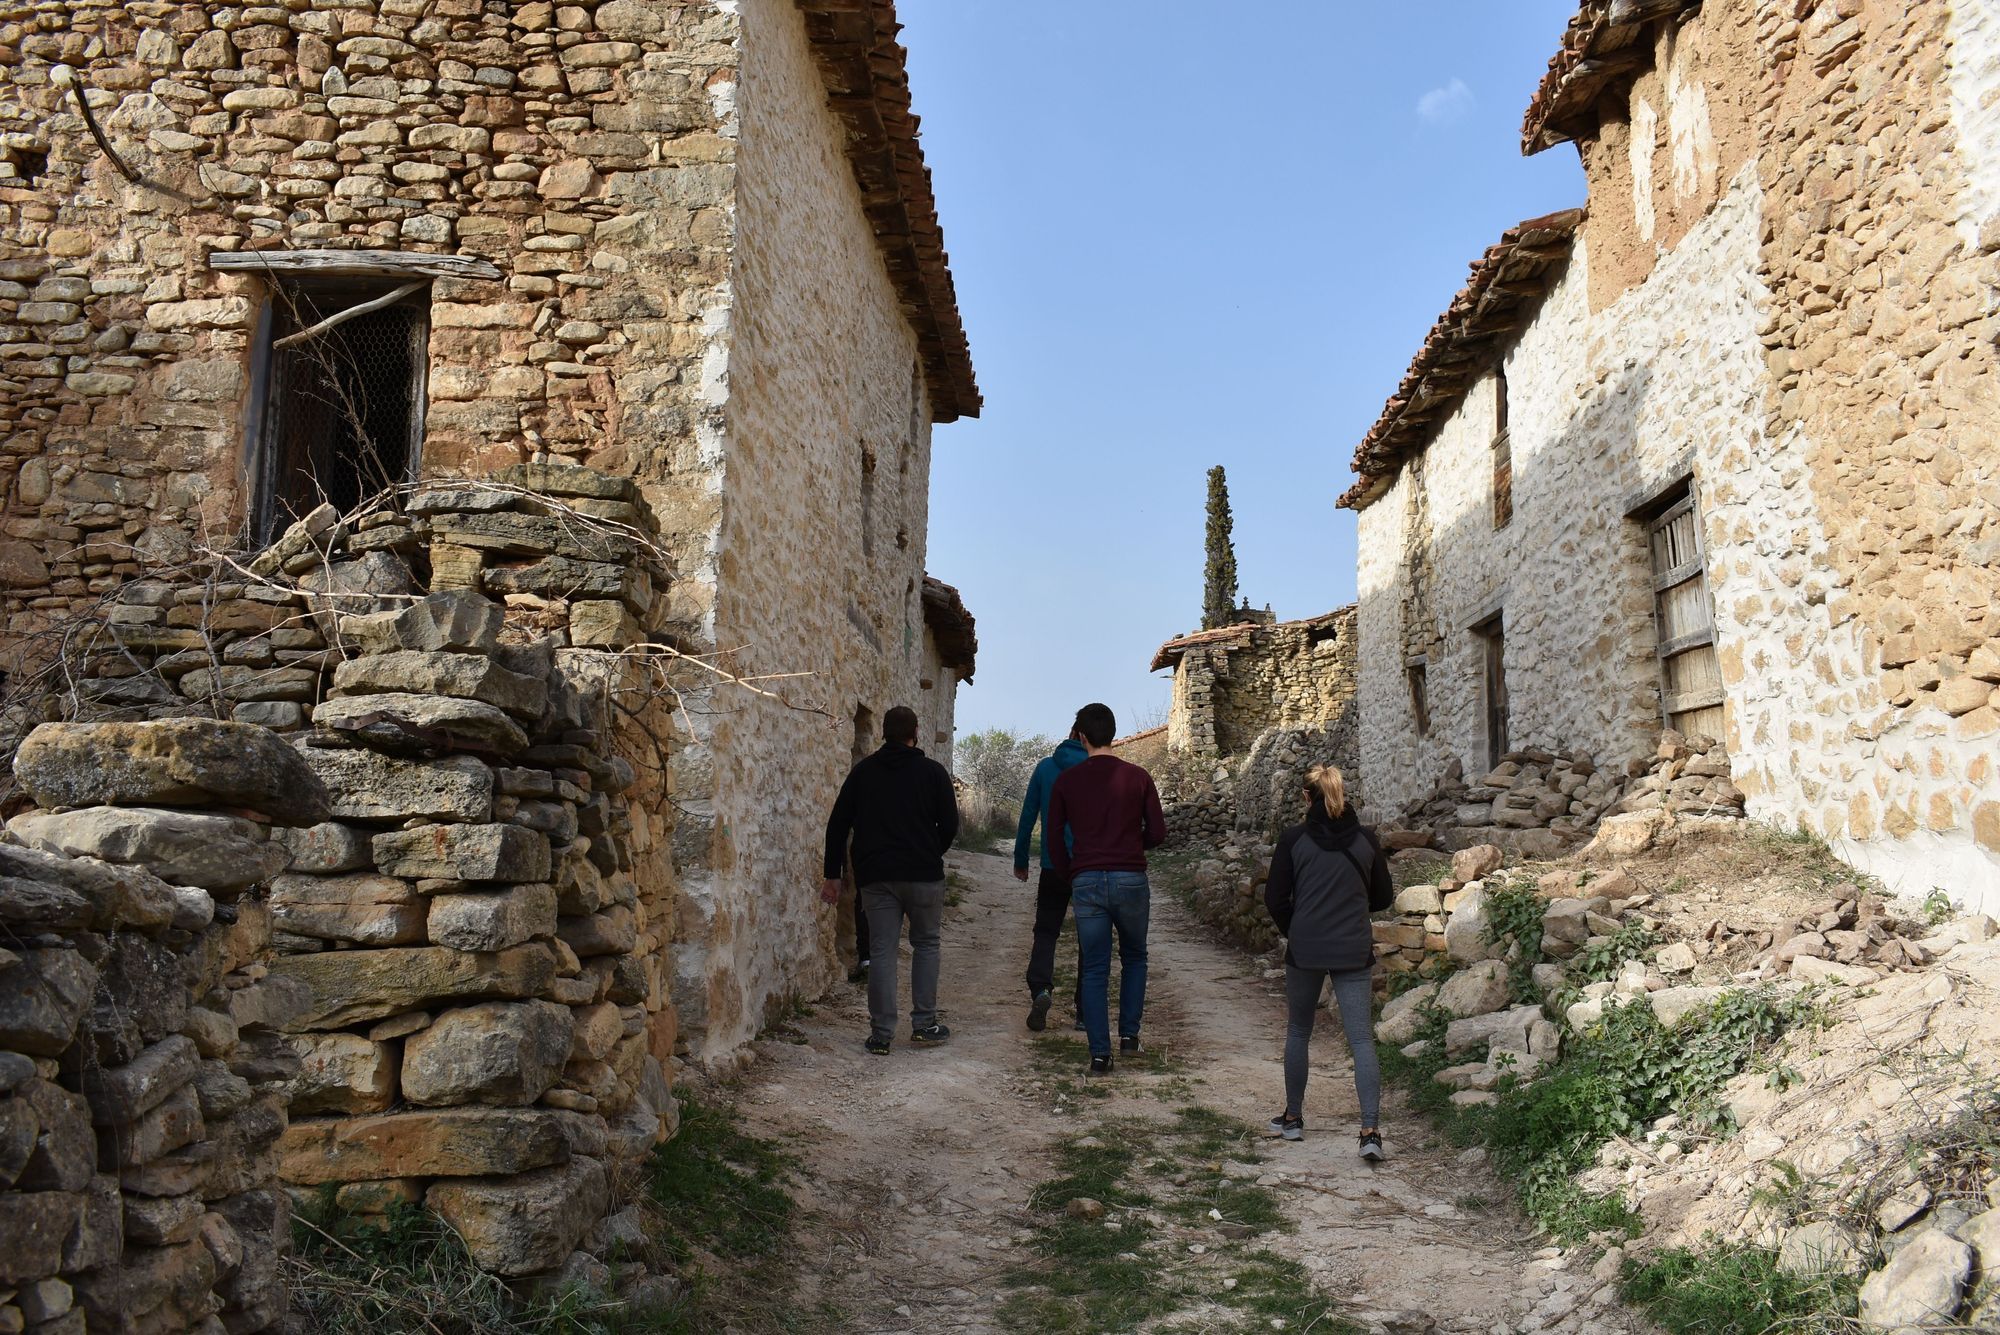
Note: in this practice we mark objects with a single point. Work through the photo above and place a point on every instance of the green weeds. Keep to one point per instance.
(1736, 1289)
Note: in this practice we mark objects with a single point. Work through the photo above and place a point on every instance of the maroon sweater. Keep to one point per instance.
(1113, 813)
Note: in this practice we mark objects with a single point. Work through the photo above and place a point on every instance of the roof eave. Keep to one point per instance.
(866, 74)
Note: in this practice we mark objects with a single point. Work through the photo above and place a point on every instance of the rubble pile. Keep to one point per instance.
(1540, 803)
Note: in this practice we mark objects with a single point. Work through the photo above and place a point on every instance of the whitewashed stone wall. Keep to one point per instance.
(819, 555)
(1601, 410)
(937, 703)
(1975, 109)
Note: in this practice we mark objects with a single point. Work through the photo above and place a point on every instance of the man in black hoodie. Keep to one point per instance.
(898, 806)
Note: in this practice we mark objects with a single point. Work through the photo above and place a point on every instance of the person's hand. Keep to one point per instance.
(1020, 873)
(829, 890)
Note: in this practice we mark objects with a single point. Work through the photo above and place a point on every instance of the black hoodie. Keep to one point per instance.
(898, 805)
(1327, 876)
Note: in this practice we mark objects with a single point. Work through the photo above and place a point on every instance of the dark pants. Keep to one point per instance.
(1051, 908)
(860, 929)
(1352, 993)
(890, 904)
(1108, 902)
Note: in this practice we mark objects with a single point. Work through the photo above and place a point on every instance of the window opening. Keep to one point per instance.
(1684, 618)
(1493, 640)
(867, 502)
(344, 411)
(1503, 454)
(1420, 702)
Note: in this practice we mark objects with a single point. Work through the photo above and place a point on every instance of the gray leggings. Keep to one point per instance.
(1351, 992)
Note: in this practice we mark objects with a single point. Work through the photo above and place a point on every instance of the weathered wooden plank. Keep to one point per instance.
(350, 264)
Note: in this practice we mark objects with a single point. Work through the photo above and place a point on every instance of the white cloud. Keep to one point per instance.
(1445, 105)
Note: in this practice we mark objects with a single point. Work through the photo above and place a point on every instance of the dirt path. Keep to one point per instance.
(918, 1167)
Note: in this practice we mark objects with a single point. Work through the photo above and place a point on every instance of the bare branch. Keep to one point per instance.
(388, 298)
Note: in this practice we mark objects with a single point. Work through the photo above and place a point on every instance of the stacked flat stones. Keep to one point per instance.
(144, 1078)
(475, 980)
(1539, 803)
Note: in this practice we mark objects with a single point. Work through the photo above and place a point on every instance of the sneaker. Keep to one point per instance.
(1371, 1147)
(1129, 1043)
(1100, 1066)
(859, 973)
(877, 1045)
(930, 1037)
(1288, 1126)
(1079, 1026)
(1038, 1011)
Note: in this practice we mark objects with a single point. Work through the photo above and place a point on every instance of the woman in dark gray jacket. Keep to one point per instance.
(1327, 876)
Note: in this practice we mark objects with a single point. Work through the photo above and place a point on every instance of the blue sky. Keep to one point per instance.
(1181, 241)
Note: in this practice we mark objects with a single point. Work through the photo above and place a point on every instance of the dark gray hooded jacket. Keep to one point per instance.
(1327, 876)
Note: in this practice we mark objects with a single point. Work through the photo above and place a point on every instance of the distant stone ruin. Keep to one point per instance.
(1254, 705)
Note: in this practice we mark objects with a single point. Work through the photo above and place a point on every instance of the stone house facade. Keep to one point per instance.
(1717, 451)
(687, 242)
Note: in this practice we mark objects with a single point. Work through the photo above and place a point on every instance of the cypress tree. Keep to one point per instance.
(1218, 573)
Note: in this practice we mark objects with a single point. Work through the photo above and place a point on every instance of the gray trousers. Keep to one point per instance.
(888, 903)
(1357, 1018)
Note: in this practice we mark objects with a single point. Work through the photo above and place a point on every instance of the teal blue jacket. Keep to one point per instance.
(1035, 806)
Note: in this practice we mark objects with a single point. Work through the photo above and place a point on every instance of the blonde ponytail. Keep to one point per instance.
(1327, 782)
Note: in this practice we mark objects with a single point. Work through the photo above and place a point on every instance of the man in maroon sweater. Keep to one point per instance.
(1112, 813)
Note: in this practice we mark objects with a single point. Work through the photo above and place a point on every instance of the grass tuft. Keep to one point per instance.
(1736, 1290)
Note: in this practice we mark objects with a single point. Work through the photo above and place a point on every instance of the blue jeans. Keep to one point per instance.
(1104, 901)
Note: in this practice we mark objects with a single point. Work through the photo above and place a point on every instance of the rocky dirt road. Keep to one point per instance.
(917, 1169)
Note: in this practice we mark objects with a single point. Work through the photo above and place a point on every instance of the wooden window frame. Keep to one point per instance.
(1503, 453)
(1492, 633)
(342, 287)
(1416, 674)
(1679, 499)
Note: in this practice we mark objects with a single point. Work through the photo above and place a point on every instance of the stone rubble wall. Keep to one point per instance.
(1810, 332)
(824, 474)
(585, 149)
(1868, 642)
(144, 1078)
(1293, 675)
(460, 954)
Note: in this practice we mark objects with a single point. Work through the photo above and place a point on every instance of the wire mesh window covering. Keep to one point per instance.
(1684, 618)
(1493, 643)
(1503, 453)
(344, 410)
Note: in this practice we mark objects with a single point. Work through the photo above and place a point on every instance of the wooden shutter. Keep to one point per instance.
(1684, 617)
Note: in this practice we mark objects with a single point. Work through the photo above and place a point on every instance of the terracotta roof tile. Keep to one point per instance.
(1235, 637)
(868, 85)
(1504, 284)
(1601, 45)
(951, 625)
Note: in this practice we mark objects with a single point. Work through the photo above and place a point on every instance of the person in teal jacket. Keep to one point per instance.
(1052, 891)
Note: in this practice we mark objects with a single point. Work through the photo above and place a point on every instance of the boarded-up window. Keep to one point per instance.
(1420, 701)
(343, 414)
(1690, 679)
(1503, 453)
(1493, 646)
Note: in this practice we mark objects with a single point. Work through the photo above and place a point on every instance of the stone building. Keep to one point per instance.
(1234, 682)
(1719, 450)
(1252, 704)
(687, 242)
(951, 646)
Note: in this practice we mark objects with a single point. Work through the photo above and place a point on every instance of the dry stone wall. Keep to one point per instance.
(450, 974)
(144, 1075)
